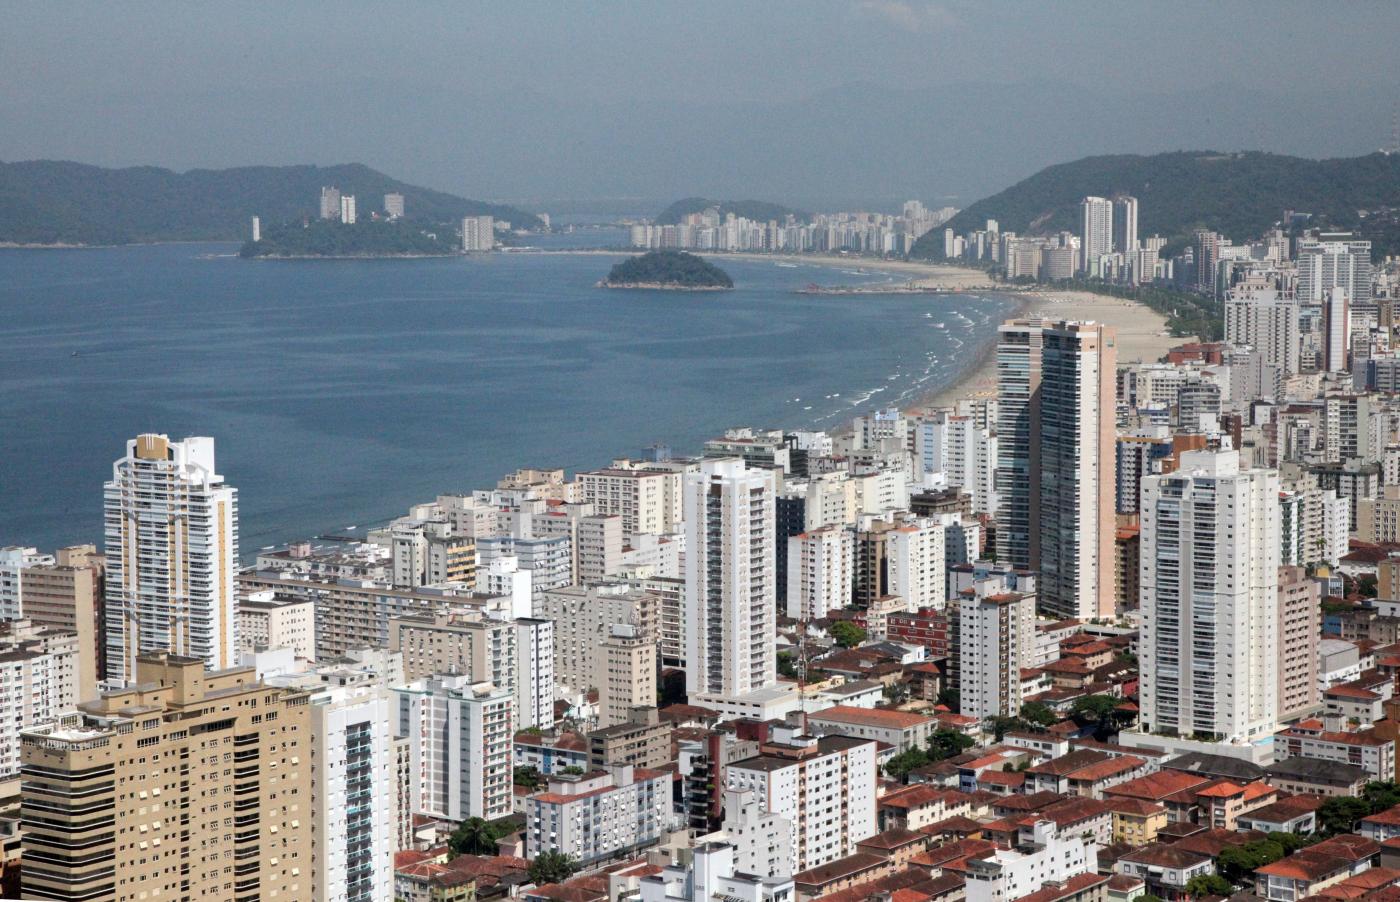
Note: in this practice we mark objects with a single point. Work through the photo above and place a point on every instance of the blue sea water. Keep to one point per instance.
(340, 392)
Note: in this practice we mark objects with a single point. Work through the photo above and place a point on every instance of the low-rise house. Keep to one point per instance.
(843, 873)
(1165, 869)
(1135, 821)
(1310, 776)
(1295, 814)
(1085, 772)
(1171, 789)
(1381, 826)
(1311, 870)
(1311, 739)
(903, 730)
(549, 753)
(1221, 803)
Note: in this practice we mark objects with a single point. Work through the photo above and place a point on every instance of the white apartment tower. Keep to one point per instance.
(171, 532)
(1125, 225)
(1336, 330)
(478, 233)
(1333, 261)
(730, 597)
(1257, 315)
(460, 737)
(821, 564)
(1096, 231)
(1209, 599)
(347, 209)
(1056, 462)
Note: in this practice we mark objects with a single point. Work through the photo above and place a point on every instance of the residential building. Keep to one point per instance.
(1095, 233)
(1259, 316)
(347, 209)
(599, 815)
(1044, 857)
(626, 677)
(171, 532)
(1055, 461)
(478, 233)
(267, 621)
(641, 740)
(820, 568)
(1209, 646)
(38, 682)
(67, 597)
(643, 498)
(1333, 261)
(393, 205)
(825, 787)
(130, 755)
(730, 598)
(996, 633)
(904, 730)
(714, 874)
(583, 616)
(330, 203)
(460, 740)
(1299, 631)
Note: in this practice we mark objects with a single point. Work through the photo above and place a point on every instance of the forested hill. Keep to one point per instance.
(51, 202)
(757, 210)
(1240, 195)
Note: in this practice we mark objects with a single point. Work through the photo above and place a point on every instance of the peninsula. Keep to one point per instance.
(668, 270)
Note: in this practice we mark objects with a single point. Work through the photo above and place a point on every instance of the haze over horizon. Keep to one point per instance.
(860, 103)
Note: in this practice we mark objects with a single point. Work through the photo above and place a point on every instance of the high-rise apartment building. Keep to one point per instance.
(191, 785)
(1125, 225)
(1259, 316)
(626, 674)
(996, 638)
(393, 205)
(38, 682)
(330, 203)
(347, 209)
(730, 597)
(1330, 261)
(599, 815)
(1336, 330)
(14, 561)
(1055, 460)
(67, 597)
(460, 745)
(1095, 232)
(171, 532)
(583, 615)
(1210, 605)
(478, 233)
(642, 498)
(1299, 631)
(821, 563)
(824, 787)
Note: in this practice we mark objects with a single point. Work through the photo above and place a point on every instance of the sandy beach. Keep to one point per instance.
(1142, 332)
(1142, 336)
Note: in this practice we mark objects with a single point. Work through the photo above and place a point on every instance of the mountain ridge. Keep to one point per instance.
(1239, 194)
(65, 202)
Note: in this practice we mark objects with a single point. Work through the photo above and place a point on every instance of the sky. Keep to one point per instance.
(613, 103)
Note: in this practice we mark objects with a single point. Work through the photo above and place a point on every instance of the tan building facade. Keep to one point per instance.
(67, 596)
(188, 785)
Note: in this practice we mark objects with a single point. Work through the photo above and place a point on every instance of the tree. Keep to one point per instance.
(526, 775)
(949, 698)
(846, 633)
(1339, 815)
(1208, 885)
(572, 770)
(1000, 725)
(1381, 794)
(787, 667)
(900, 765)
(473, 836)
(551, 867)
(1102, 712)
(1290, 842)
(1039, 714)
(946, 743)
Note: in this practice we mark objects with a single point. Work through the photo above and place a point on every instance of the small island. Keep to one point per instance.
(669, 271)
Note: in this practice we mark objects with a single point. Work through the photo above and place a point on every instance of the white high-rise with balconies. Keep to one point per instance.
(730, 597)
(1096, 231)
(171, 532)
(1209, 597)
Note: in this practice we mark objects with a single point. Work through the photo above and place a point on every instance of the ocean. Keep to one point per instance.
(340, 392)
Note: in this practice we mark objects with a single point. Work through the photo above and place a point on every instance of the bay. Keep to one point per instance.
(340, 392)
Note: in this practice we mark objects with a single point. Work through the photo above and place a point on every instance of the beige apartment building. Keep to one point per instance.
(67, 596)
(643, 498)
(626, 674)
(583, 617)
(266, 620)
(186, 786)
(456, 643)
(642, 741)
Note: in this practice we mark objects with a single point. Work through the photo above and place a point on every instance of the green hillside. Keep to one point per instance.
(1240, 195)
(757, 210)
(51, 202)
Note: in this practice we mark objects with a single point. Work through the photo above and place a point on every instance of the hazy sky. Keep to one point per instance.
(555, 100)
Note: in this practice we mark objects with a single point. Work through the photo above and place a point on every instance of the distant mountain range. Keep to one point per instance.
(1240, 195)
(758, 210)
(53, 202)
